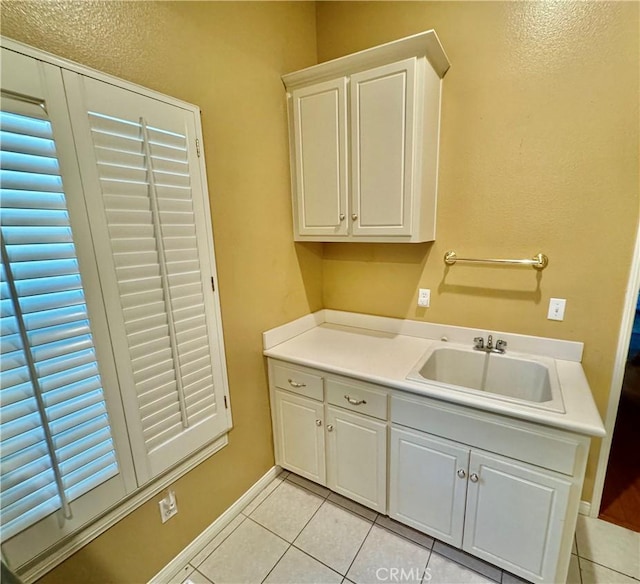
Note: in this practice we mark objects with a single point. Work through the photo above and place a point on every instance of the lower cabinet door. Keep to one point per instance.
(515, 516)
(428, 483)
(357, 457)
(299, 435)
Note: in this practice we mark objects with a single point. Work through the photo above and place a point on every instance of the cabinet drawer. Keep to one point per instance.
(544, 447)
(298, 381)
(358, 398)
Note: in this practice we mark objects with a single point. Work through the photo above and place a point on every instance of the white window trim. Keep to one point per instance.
(51, 558)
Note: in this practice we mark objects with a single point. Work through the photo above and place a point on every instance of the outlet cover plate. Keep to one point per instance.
(424, 297)
(556, 308)
(168, 506)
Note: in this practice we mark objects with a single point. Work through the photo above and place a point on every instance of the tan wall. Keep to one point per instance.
(227, 58)
(539, 153)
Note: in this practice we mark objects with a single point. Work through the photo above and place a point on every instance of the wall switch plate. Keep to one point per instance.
(168, 506)
(556, 308)
(424, 297)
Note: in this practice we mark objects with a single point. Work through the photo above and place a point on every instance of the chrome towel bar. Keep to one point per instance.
(539, 261)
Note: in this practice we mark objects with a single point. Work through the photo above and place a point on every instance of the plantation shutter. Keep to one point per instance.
(146, 199)
(56, 437)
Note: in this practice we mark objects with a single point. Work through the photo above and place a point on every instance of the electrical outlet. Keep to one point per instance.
(424, 297)
(556, 308)
(168, 506)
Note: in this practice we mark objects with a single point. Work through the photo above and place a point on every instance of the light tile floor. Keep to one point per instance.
(297, 532)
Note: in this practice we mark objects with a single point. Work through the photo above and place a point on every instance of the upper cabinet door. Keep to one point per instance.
(319, 114)
(382, 149)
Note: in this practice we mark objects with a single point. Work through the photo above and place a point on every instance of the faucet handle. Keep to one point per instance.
(478, 343)
(500, 345)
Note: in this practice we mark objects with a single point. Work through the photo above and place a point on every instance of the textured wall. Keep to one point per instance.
(227, 58)
(539, 153)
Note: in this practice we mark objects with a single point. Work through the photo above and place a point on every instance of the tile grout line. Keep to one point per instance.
(360, 548)
(604, 566)
(201, 574)
(263, 490)
(326, 500)
(293, 545)
(579, 565)
(375, 522)
(424, 572)
(244, 518)
(305, 525)
(341, 507)
(279, 560)
(195, 567)
(282, 538)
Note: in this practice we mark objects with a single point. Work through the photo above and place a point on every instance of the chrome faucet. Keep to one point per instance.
(479, 345)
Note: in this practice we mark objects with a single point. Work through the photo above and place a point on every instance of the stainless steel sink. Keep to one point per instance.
(525, 379)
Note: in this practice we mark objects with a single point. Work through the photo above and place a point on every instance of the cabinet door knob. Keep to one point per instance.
(293, 383)
(318, 422)
(330, 428)
(473, 477)
(341, 216)
(461, 473)
(354, 216)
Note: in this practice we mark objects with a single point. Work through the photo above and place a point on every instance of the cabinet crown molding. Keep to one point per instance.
(424, 44)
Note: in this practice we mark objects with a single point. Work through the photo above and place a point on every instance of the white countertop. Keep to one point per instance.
(386, 357)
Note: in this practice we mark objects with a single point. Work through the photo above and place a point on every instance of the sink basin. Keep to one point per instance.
(525, 379)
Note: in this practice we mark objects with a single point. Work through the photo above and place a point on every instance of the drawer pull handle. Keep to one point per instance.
(293, 383)
(355, 402)
(473, 477)
(461, 473)
(318, 422)
(330, 428)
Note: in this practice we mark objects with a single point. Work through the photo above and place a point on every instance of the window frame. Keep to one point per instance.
(77, 208)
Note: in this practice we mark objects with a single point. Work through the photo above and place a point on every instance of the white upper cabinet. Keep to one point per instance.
(364, 132)
(320, 146)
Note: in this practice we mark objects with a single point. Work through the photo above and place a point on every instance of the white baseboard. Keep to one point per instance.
(585, 508)
(177, 563)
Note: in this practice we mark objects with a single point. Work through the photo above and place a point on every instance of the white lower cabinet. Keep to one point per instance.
(502, 489)
(501, 510)
(357, 457)
(343, 450)
(515, 515)
(299, 435)
(427, 484)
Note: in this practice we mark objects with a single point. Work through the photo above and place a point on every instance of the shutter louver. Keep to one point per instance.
(143, 171)
(56, 439)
